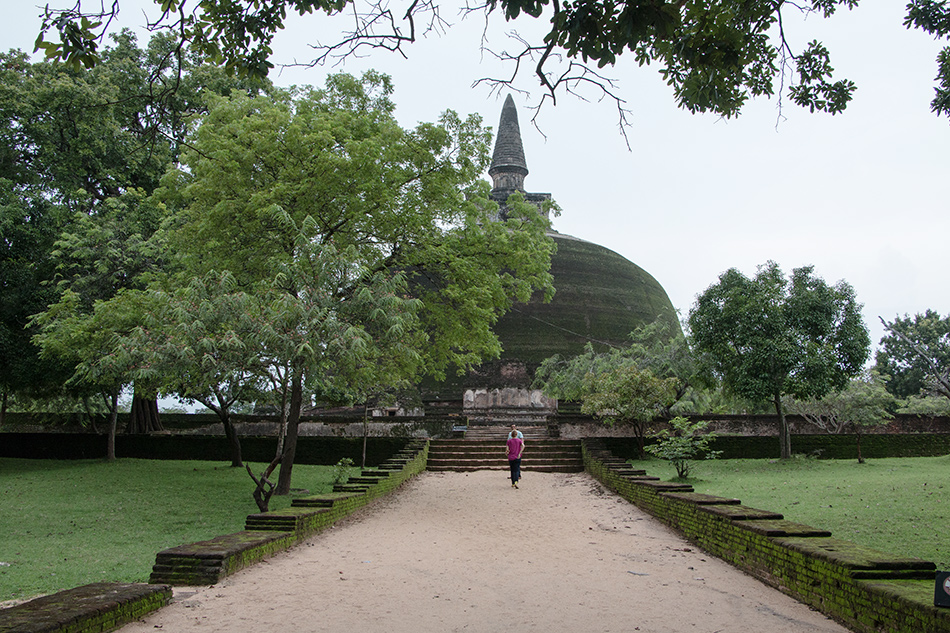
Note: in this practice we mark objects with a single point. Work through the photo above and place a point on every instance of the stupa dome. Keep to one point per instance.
(600, 296)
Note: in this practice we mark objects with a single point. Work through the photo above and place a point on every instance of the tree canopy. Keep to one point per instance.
(768, 336)
(914, 355)
(714, 55)
(357, 253)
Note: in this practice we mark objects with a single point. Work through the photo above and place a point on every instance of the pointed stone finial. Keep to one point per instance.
(508, 166)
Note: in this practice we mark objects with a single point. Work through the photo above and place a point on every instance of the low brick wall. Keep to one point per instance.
(866, 590)
(88, 609)
(207, 562)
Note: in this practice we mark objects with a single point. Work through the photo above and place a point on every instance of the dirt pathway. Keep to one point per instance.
(466, 552)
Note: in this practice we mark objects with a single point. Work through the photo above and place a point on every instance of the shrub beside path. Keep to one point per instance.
(466, 552)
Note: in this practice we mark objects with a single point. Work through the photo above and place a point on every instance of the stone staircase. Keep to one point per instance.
(497, 433)
(541, 455)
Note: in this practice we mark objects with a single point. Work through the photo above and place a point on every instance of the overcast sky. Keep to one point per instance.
(862, 196)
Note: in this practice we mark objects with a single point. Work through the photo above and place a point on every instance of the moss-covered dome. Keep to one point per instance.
(600, 296)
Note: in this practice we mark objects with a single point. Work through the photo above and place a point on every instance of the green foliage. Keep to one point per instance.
(81, 153)
(933, 16)
(927, 406)
(342, 470)
(915, 354)
(768, 336)
(683, 442)
(715, 55)
(331, 168)
(628, 395)
(864, 402)
(362, 254)
(656, 347)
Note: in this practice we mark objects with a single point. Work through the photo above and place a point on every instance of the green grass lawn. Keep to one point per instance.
(68, 523)
(897, 505)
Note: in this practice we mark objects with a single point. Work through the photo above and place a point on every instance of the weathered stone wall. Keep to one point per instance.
(507, 398)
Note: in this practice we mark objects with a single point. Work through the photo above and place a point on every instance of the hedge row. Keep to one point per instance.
(310, 450)
(822, 446)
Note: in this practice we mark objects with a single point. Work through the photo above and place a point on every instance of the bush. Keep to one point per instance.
(685, 441)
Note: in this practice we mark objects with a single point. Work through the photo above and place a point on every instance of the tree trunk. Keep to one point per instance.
(113, 422)
(860, 456)
(784, 434)
(144, 418)
(290, 442)
(365, 433)
(3, 406)
(234, 442)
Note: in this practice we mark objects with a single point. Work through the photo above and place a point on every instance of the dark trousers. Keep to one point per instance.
(515, 466)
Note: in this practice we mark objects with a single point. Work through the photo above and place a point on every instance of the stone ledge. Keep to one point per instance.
(207, 562)
(93, 608)
(866, 590)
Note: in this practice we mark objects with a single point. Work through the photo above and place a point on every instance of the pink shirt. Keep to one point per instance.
(515, 446)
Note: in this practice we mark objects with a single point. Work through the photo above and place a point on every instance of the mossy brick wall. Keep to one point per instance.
(310, 450)
(266, 533)
(822, 446)
(866, 590)
(91, 608)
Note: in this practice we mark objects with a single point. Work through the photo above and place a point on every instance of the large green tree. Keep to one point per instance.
(83, 151)
(769, 336)
(714, 54)
(28, 229)
(375, 244)
(914, 355)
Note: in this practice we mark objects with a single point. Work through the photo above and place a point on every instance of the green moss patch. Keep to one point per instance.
(87, 609)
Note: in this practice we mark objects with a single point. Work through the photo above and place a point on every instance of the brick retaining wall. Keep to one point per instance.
(866, 590)
(266, 533)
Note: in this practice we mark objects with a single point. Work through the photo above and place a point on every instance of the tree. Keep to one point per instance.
(915, 355)
(81, 152)
(27, 231)
(768, 336)
(657, 347)
(200, 342)
(714, 55)
(628, 395)
(933, 16)
(862, 404)
(372, 247)
(682, 442)
(88, 339)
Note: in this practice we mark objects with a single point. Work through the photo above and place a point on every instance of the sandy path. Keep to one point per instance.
(466, 552)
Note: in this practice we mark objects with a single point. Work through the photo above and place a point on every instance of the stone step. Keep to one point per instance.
(545, 455)
(500, 433)
(465, 445)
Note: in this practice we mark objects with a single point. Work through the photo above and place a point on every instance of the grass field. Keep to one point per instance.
(69, 523)
(897, 505)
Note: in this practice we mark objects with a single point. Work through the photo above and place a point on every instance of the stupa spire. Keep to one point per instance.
(508, 166)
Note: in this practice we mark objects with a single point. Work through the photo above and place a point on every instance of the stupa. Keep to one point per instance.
(600, 297)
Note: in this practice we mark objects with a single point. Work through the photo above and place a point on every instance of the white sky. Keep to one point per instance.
(863, 196)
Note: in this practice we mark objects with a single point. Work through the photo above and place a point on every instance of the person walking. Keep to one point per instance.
(514, 449)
